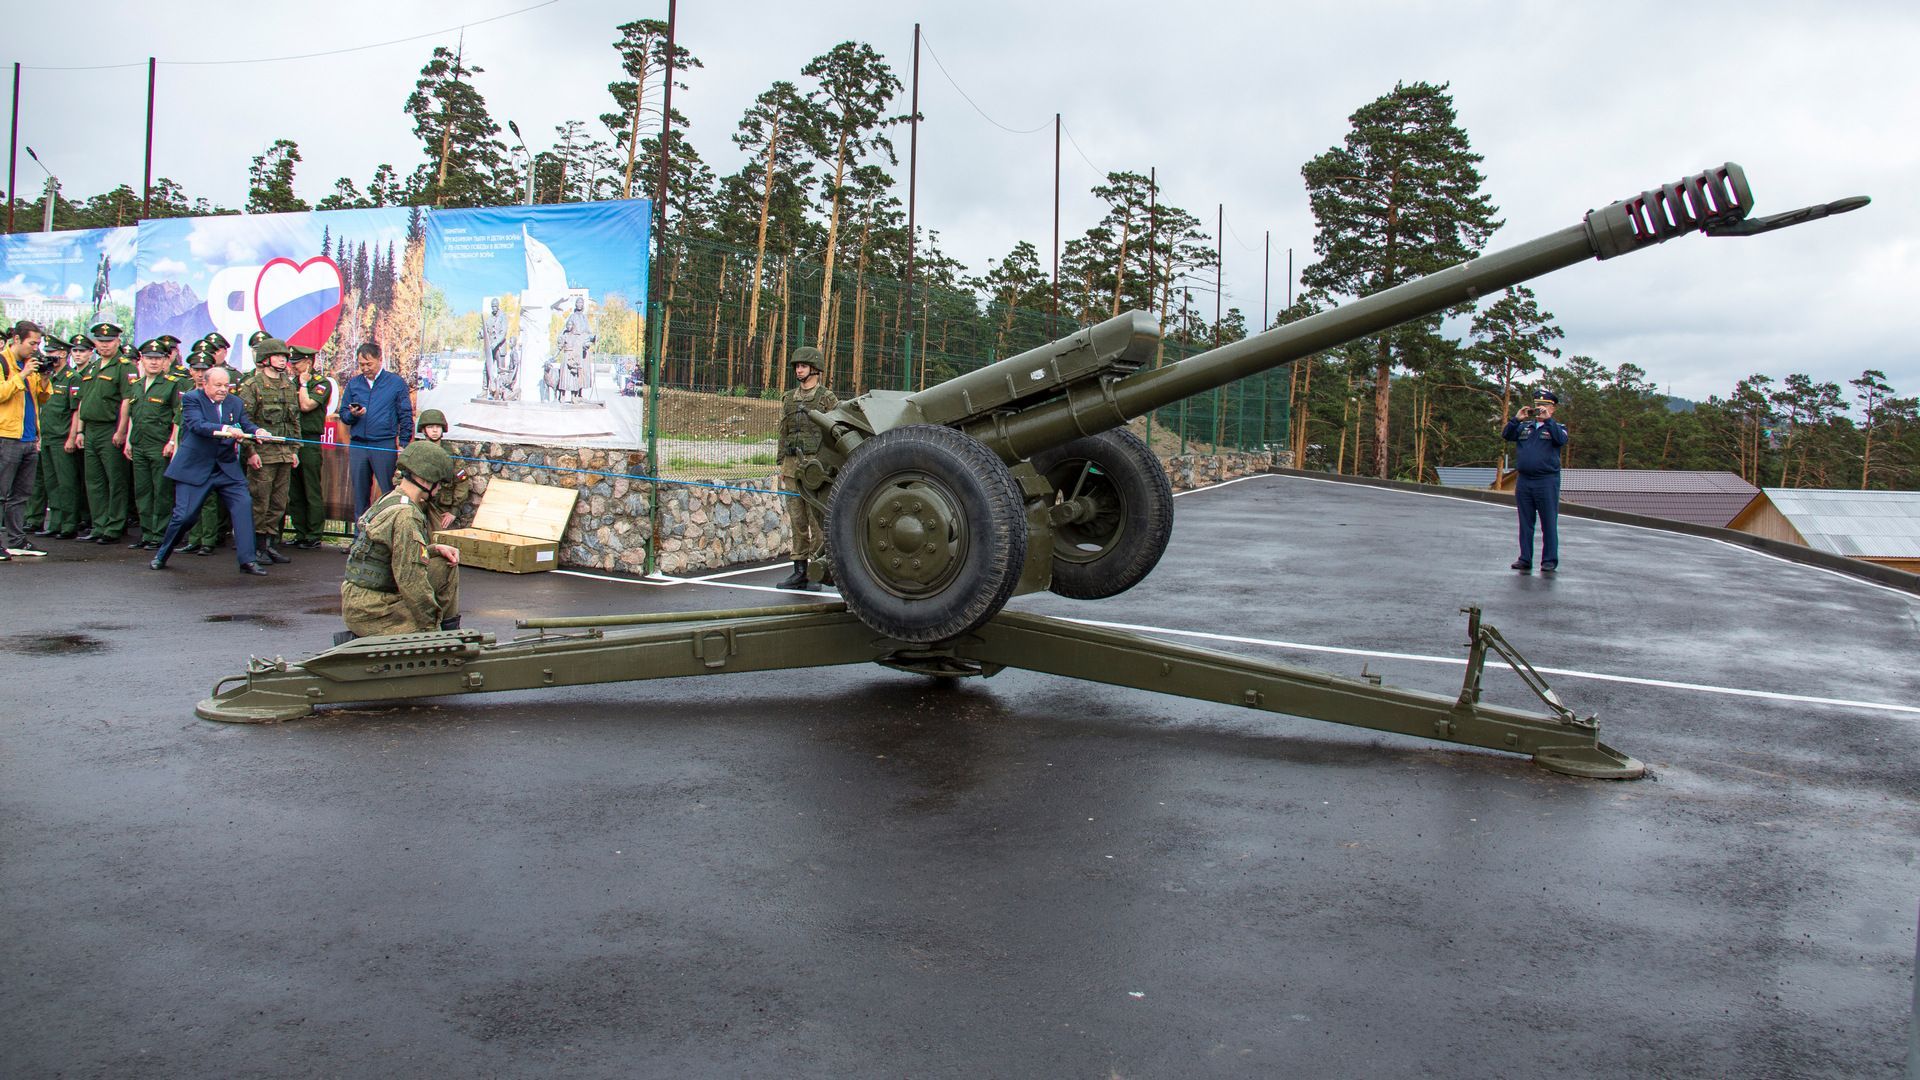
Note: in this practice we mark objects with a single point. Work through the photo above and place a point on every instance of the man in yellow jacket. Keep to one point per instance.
(23, 389)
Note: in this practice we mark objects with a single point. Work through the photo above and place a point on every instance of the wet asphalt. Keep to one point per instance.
(856, 872)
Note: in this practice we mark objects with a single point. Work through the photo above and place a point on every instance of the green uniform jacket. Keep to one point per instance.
(274, 405)
(151, 409)
(57, 413)
(314, 424)
(102, 386)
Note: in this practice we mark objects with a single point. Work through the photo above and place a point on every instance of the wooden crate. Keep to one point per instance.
(517, 528)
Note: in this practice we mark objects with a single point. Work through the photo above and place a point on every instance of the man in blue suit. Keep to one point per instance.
(206, 462)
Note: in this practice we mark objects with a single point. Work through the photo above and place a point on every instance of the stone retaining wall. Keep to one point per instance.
(705, 528)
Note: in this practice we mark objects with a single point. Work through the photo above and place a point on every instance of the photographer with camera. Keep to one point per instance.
(1538, 438)
(23, 389)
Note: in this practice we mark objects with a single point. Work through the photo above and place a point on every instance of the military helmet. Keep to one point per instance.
(425, 463)
(431, 416)
(216, 340)
(269, 346)
(810, 356)
(254, 339)
(103, 331)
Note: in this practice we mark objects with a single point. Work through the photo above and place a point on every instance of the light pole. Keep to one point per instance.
(515, 128)
(53, 191)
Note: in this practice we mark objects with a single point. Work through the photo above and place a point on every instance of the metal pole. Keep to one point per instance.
(653, 427)
(666, 148)
(13, 146)
(1289, 277)
(913, 180)
(1266, 280)
(1153, 262)
(1056, 222)
(146, 183)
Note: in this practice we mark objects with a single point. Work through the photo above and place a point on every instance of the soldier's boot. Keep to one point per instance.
(264, 545)
(797, 579)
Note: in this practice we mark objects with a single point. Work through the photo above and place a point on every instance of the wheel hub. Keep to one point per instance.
(914, 542)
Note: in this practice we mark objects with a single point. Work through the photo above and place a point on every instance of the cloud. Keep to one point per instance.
(168, 266)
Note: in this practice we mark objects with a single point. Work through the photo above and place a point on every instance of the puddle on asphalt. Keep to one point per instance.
(53, 644)
(257, 618)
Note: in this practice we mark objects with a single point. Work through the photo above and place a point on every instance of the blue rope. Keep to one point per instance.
(556, 468)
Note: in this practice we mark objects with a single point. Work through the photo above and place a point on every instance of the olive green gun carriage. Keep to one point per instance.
(942, 504)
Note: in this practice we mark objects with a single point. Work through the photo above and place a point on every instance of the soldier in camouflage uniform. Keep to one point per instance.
(799, 442)
(152, 400)
(270, 398)
(449, 499)
(397, 582)
(307, 502)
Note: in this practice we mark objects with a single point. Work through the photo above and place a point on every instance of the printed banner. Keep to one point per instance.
(68, 281)
(327, 280)
(534, 322)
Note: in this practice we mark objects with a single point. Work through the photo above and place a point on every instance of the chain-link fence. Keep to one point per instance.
(727, 318)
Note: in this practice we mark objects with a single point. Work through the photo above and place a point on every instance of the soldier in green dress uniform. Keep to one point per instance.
(799, 442)
(99, 424)
(397, 582)
(271, 400)
(152, 400)
(50, 510)
(307, 503)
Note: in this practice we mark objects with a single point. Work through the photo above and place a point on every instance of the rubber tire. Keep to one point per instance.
(1145, 515)
(986, 497)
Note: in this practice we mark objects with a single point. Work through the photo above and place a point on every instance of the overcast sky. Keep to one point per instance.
(1573, 104)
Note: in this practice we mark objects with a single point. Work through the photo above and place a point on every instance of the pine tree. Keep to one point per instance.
(776, 170)
(1514, 334)
(466, 163)
(847, 122)
(642, 45)
(1399, 199)
(270, 180)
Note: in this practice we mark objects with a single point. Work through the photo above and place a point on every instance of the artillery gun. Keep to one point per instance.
(943, 503)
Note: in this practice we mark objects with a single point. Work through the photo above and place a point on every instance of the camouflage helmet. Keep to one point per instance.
(431, 416)
(425, 463)
(810, 356)
(269, 346)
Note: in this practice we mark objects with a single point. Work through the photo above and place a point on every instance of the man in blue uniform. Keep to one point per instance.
(1536, 491)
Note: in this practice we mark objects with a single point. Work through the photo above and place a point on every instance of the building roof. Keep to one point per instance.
(1698, 497)
(1474, 476)
(1859, 524)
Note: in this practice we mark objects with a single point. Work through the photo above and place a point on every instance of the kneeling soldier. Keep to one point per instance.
(398, 583)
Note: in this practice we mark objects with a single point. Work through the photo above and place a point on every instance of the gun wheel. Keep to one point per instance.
(928, 533)
(1113, 513)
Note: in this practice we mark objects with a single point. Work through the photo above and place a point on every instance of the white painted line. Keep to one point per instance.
(1221, 484)
(1459, 661)
(659, 582)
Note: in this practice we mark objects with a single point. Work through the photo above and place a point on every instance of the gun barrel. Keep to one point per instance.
(1712, 199)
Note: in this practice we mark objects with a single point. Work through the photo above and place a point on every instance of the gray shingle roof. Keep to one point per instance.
(1702, 498)
(1475, 476)
(1870, 524)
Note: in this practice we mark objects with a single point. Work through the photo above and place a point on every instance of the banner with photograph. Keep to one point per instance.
(534, 319)
(68, 281)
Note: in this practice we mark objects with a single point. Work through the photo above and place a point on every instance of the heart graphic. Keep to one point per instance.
(299, 303)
